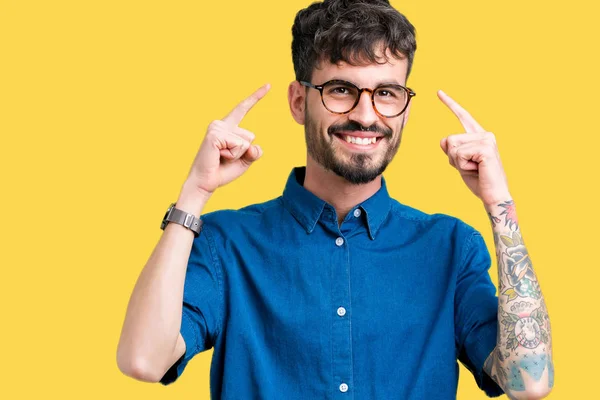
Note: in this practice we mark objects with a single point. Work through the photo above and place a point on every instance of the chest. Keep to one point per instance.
(310, 288)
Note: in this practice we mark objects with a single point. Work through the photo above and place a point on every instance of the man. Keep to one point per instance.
(334, 289)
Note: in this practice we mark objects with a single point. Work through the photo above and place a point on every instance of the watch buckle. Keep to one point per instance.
(189, 218)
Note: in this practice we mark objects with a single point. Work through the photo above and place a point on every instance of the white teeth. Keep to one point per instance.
(362, 141)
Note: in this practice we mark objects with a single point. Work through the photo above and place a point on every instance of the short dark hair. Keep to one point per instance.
(351, 31)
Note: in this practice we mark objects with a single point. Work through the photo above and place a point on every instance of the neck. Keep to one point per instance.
(335, 190)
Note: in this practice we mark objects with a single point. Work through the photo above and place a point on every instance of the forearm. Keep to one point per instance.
(521, 363)
(153, 319)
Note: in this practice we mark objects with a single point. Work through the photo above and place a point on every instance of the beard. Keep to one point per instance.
(361, 167)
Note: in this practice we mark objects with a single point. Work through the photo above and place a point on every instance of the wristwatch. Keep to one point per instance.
(182, 218)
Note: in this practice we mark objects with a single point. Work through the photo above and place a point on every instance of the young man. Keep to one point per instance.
(334, 289)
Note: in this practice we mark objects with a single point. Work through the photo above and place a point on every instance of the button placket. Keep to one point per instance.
(341, 325)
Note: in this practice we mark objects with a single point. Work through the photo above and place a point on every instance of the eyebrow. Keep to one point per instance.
(382, 83)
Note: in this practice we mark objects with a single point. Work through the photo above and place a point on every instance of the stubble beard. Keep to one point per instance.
(360, 168)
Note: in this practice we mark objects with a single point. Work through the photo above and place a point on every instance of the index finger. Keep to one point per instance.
(239, 112)
(467, 121)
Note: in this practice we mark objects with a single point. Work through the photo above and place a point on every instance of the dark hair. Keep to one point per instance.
(351, 31)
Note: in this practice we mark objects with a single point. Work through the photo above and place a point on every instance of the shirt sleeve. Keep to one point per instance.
(202, 303)
(476, 312)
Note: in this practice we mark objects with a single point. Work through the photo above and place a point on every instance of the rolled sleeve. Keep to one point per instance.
(476, 312)
(202, 303)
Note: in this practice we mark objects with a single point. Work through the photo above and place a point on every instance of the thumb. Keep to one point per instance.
(444, 144)
(254, 153)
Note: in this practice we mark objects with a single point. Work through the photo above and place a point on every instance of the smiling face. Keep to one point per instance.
(359, 145)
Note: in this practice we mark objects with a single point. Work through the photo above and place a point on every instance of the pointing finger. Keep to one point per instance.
(239, 112)
(467, 121)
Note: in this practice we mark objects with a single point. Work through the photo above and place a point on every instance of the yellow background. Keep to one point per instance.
(103, 105)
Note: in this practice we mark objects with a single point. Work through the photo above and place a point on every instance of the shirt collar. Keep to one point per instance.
(307, 207)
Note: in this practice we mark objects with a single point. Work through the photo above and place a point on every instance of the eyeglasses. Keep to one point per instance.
(341, 97)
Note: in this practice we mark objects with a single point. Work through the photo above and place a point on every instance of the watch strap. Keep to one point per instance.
(181, 217)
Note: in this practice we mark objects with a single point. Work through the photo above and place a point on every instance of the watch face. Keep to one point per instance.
(164, 221)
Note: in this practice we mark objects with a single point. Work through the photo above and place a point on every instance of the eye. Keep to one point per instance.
(386, 93)
(340, 90)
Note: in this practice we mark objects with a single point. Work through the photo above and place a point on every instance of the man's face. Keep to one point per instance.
(327, 134)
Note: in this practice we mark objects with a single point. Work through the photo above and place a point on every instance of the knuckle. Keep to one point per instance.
(489, 142)
(244, 144)
(246, 104)
(214, 127)
(452, 141)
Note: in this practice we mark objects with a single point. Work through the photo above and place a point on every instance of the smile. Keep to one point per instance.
(358, 141)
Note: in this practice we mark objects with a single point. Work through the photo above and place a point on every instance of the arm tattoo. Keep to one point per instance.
(523, 354)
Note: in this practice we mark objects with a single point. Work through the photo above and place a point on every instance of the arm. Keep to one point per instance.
(151, 340)
(521, 363)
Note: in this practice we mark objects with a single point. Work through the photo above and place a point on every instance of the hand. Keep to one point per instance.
(475, 155)
(227, 150)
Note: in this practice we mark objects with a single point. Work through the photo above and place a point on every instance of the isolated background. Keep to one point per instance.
(103, 105)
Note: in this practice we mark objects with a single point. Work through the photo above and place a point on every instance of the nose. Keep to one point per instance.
(364, 113)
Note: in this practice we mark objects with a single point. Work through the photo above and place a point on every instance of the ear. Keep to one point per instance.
(297, 100)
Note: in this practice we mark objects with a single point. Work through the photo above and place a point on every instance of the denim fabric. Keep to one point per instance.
(297, 307)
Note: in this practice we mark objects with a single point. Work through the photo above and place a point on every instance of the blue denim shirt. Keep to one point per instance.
(297, 307)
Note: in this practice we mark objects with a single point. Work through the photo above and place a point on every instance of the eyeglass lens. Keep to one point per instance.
(340, 98)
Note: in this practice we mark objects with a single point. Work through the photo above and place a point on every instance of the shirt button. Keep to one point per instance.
(343, 388)
(341, 311)
(339, 241)
(357, 212)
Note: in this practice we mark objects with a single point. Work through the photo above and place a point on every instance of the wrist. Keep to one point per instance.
(192, 199)
(498, 205)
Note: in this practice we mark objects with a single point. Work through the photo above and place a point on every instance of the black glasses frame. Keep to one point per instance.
(410, 92)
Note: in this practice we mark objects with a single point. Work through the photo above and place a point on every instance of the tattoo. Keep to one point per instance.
(495, 361)
(493, 220)
(550, 374)
(524, 343)
(521, 307)
(534, 365)
(511, 214)
(514, 261)
(526, 331)
(515, 381)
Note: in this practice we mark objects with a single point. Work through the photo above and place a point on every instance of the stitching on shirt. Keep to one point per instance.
(259, 208)
(351, 380)
(331, 321)
(373, 230)
(466, 248)
(396, 209)
(289, 207)
(466, 245)
(217, 266)
(196, 349)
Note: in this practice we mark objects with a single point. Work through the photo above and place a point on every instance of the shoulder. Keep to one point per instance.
(421, 220)
(408, 213)
(249, 217)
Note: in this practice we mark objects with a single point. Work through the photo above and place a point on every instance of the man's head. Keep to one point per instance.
(364, 42)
